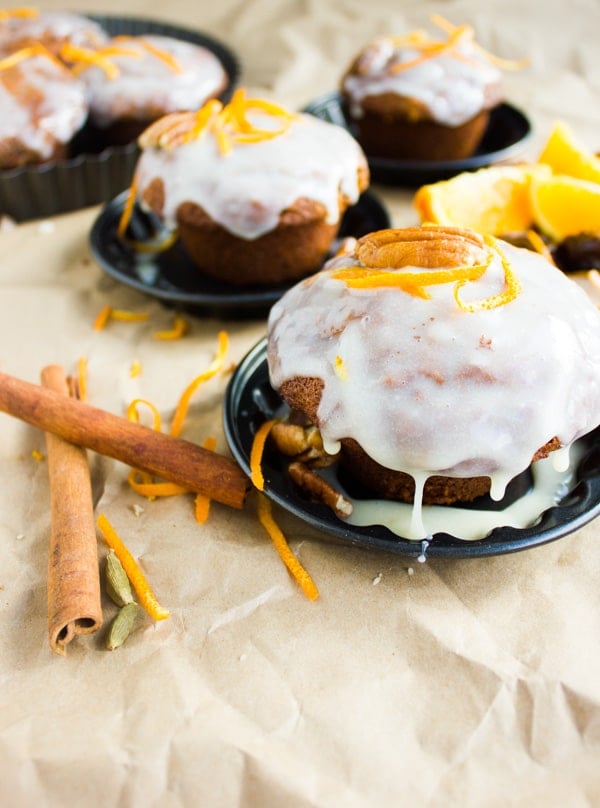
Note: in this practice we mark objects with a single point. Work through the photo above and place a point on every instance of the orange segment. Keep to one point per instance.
(491, 201)
(564, 206)
(566, 155)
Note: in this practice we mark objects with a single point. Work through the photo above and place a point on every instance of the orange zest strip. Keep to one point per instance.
(29, 52)
(144, 485)
(540, 246)
(170, 61)
(256, 453)
(184, 402)
(135, 369)
(102, 318)
(129, 316)
(21, 11)
(512, 283)
(82, 378)
(202, 502)
(294, 566)
(132, 570)
(85, 57)
(132, 413)
(125, 217)
(180, 328)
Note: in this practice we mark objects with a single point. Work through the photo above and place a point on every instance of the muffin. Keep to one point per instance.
(21, 27)
(256, 192)
(439, 362)
(422, 98)
(134, 80)
(42, 106)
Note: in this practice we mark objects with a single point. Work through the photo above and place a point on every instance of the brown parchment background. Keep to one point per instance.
(468, 683)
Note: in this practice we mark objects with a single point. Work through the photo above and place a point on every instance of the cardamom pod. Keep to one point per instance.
(121, 626)
(118, 587)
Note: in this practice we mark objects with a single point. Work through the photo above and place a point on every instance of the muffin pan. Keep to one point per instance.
(250, 400)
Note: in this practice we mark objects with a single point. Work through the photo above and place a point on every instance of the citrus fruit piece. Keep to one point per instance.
(565, 155)
(564, 206)
(492, 201)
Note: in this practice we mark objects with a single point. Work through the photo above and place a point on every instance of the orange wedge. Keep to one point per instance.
(565, 155)
(491, 201)
(564, 206)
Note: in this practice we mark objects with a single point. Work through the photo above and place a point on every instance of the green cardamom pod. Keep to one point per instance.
(121, 626)
(118, 587)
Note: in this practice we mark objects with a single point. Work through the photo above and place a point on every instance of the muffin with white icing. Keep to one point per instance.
(256, 192)
(439, 362)
(420, 97)
(42, 106)
(132, 81)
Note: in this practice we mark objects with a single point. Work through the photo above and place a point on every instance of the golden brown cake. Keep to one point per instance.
(438, 361)
(256, 192)
(422, 98)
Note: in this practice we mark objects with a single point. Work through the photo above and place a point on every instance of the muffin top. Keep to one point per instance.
(246, 163)
(442, 352)
(41, 103)
(451, 78)
(145, 77)
(20, 27)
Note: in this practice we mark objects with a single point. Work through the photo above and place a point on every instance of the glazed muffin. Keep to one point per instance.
(42, 106)
(21, 27)
(256, 192)
(422, 98)
(438, 362)
(133, 80)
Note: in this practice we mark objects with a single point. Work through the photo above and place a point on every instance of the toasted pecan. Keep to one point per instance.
(427, 247)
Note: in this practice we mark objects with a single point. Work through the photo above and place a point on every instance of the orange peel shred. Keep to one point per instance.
(202, 502)
(256, 453)
(299, 573)
(180, 328)
(137, 578)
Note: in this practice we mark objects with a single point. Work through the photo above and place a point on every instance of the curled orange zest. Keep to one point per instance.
(132, 570)
(294, 566)
(133, 413)
(256, 453)
(163, 55)
(143, 484)
(184, 402)
(180, 328)
(37, 49)
(85, 57)
(512, 283)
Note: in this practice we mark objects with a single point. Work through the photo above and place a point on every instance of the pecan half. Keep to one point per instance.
(428, 247)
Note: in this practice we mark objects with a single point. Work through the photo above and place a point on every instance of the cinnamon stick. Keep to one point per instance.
(73, 572)
(173, 459)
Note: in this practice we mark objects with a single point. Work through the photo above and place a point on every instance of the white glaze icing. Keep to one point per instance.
(40, 104)
(432, 389)
(147, 84)
(247, 189)
(452, 89)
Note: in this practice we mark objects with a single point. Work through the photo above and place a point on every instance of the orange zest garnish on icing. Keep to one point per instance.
(136, 576)
(294, 566)
(31, 51)
(202, 502)
(430, 48)
(86, 57)
(231, 125)
(163, 55)
(512, 284)
(21, 11)
(540, 246)
(256, 453)
(180, 328)
(184, 402)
